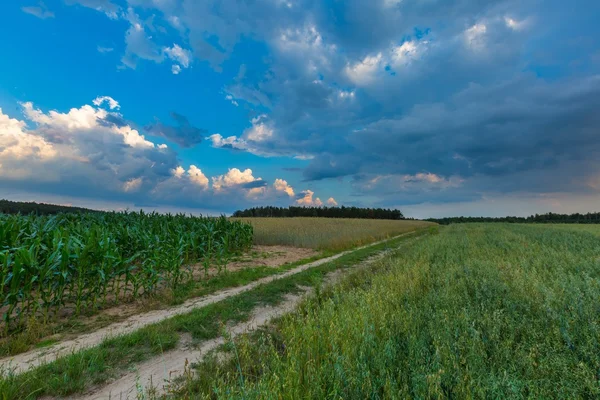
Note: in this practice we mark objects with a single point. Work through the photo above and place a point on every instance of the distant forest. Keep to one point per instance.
(549, 218)
(323, 212)
(18, 207)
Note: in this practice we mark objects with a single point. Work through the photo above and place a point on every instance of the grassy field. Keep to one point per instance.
(477, 311)
(327, 233)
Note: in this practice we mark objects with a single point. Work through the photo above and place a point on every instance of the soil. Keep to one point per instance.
(258, 256)
(156, 375)
(33, 358)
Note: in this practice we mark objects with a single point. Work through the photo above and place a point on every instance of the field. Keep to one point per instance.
(464, 311)
(478, 311)
(71, 273)
(85, 261)
(327, 233)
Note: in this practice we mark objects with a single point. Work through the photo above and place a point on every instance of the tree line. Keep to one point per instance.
(548, 218)
(322, 212)
(26, 208)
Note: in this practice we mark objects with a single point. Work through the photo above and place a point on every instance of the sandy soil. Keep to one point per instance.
(258, 256)
(156, 374)
(22, 362)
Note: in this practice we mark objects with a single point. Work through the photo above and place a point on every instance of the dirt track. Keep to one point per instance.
(157, 373)
(24, 361)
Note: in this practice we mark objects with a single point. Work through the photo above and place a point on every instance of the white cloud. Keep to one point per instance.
(407, 52)
(236, 179)
(305, 47)
(17, 143)
(112, 103)
(40, 11)
(178, 172)
(514, 24)
(259, 131)
(63, 126)
(104, 50)
(346, 94)
(363, 72)
(138, 44)
(282, 186)
(87, 147)
(105, 6)
(475, 37)
(331, 202)
(232, 100)
(132, 185)
(307, 199)
(197, 177)
(175, 69)
(233, 142)
(179, 54)
(194, 175)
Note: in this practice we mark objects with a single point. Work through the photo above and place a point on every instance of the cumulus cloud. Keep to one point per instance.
(237, 179)
(41, 11)
(178, 54)
(17, 144)
(331, 202)
(112, 103)
(305, 198)
(193, 174)
(93, 151)
(79, 151)
(259, 131)
(281, 186)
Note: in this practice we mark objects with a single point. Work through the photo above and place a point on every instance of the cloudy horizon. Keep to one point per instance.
(438, 108)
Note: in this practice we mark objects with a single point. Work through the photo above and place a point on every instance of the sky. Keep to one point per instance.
(435, 107)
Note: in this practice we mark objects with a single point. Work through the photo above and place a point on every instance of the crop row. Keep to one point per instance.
(85, 260)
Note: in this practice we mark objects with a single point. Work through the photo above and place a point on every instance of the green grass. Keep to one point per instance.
(94, 366)
(479, 311)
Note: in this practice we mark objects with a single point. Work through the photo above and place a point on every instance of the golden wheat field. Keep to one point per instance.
(327, 233)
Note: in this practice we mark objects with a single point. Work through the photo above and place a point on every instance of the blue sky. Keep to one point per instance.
(435, 107)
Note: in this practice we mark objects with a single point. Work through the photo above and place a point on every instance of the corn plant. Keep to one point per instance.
(86, 261)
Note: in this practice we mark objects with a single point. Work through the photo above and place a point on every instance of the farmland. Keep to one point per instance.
(478, 311)
(97, 358)
(463, 311)
(327, 234)
(85, 260)
(75, 272)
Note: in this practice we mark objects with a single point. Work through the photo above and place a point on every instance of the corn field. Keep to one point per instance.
(83, 261)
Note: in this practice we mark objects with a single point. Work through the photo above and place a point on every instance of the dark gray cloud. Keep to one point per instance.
(469, 99)
(184, 134)
(254, 184)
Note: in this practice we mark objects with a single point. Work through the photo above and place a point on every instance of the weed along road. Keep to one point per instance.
(23, 362)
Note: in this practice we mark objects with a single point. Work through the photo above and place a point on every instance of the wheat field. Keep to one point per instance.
(327, 233)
